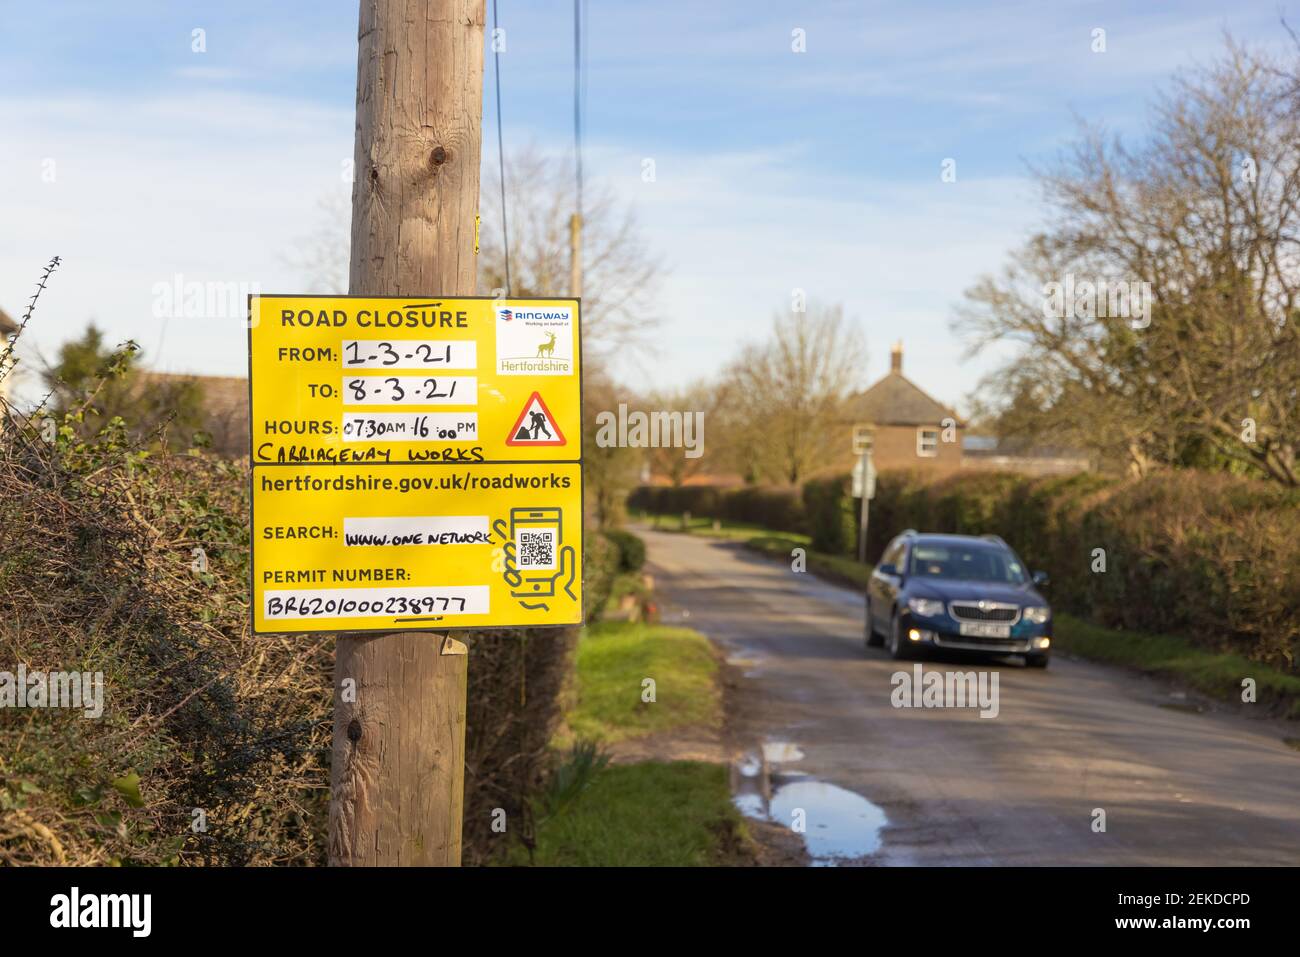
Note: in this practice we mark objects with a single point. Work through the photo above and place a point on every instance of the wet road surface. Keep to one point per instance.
(1176, 787)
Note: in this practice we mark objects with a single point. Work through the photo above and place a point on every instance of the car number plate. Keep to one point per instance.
(981, 629)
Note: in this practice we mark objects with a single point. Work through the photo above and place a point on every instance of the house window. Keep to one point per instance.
(927, 443)
(861, 439)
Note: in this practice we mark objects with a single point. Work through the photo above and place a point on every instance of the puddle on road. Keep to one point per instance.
(838, 825)
(750, 805)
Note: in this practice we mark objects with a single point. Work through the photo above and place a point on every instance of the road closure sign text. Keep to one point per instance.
(416, 463)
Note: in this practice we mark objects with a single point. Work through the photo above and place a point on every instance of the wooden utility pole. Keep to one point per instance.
(575, 255)
(397, 776)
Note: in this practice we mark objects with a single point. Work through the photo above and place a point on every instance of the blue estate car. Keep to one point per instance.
(959, 592)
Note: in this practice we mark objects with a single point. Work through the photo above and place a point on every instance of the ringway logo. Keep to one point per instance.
(535, 315)
(535, 341)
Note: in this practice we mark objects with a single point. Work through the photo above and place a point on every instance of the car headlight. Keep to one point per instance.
(925, 607)
(1037, 615)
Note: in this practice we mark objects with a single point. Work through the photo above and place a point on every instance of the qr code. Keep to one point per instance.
(535, 549)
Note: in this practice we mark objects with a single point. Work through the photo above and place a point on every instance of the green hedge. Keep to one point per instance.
(779, 508)
(1207, 555)
(600, 563)
(1211, 556)
(832, 515)
(631, 550)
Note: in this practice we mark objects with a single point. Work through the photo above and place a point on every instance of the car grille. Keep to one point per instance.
(992, 611)
(982, 641)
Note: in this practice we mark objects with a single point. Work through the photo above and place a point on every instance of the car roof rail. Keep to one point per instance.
(995, 538)
(909, 532)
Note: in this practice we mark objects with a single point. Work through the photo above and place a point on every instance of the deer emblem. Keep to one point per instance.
(547, 348)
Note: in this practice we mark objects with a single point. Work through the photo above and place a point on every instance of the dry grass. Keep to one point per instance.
(97, 574)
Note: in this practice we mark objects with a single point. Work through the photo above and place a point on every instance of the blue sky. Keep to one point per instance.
(138, 160)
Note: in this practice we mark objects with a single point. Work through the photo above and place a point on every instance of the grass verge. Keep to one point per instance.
(651, 814)
(702, 525)
(836, 568)
(1218, 674)
(615, 658)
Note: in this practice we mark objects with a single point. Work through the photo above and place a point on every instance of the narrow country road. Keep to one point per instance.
(1177, 787)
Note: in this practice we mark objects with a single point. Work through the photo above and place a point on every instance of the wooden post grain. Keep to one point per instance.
(397, 775)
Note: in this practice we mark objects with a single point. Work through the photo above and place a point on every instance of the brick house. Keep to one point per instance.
(904, 426)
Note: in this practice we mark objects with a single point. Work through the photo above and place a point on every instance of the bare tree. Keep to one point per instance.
(620, 274)
(702, 401)
(1206, 211)
(611, 470)
(322, 255)
(785, 395)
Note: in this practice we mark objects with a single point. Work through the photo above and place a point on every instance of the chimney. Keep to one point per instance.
(896, 358)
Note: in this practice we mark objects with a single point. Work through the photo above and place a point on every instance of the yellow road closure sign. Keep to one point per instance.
(416, 463)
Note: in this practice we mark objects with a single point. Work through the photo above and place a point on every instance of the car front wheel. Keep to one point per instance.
(898, 646)
(1036, 661)
(872, 638)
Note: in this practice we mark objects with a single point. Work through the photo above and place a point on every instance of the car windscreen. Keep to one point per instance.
(980, 563)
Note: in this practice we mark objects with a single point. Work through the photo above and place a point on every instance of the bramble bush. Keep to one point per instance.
(100, 571)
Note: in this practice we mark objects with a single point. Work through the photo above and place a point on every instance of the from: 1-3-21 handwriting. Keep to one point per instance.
(409, 354)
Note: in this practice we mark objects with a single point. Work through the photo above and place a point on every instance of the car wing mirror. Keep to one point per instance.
(1042, 579)
(886, 569)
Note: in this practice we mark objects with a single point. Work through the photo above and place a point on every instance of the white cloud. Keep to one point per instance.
(741, 231)
(219, 186)
(214, 187)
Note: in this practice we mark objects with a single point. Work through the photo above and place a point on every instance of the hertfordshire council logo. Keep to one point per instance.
(535, 341)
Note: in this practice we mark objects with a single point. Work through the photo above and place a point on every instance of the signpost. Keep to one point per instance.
(864, 488)
(416, 463)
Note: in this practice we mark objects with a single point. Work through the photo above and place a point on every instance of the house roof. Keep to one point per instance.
(897, 400)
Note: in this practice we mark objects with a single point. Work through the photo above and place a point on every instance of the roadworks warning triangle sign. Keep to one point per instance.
(535, 425)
